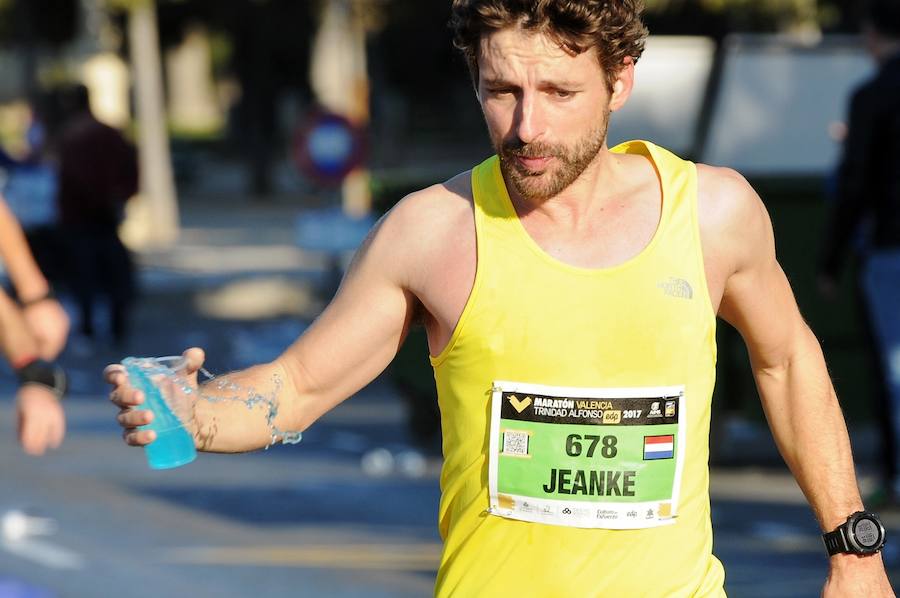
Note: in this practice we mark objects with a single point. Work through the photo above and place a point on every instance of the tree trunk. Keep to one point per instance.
(158, 205)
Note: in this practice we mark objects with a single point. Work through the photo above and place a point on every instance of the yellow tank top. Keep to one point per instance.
(549, 342)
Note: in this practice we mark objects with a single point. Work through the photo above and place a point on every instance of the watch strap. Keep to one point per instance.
(49, 375)
(836, 542)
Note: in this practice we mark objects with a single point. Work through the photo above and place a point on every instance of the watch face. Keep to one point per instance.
(867, 532)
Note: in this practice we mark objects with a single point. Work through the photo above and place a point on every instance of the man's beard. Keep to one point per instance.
(568, 164)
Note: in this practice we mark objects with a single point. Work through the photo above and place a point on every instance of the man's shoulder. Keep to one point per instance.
(429, 218)
(722, 178)
(434, 206)
(730, 211)
(454, 190)
(427, 230)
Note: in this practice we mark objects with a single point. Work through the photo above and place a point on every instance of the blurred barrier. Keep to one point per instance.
(766, 105)
(670, 89)
(780, 102)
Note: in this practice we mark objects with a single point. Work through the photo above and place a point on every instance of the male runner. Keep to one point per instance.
(569, 292)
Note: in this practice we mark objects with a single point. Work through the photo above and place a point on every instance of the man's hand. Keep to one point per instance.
(852, 575)
(126, 397)
(41, 420)
(49, 324)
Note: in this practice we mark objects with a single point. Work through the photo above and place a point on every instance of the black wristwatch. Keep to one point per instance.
(47, 374)
(862, 533)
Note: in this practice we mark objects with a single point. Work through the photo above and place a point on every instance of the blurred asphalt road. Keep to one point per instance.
(306, 520)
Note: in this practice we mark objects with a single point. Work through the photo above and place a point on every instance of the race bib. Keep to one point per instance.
(586, 457)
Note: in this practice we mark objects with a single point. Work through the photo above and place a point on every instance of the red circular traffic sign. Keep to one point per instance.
(329, 147)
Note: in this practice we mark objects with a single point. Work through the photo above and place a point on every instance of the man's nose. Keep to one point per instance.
(529, 121)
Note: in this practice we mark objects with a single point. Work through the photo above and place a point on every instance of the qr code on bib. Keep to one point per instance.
(515, 443)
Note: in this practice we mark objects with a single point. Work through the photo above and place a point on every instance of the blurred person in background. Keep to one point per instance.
(868, 203)
(562, 268)
(33, 331)
(98, 173)
(29, 186)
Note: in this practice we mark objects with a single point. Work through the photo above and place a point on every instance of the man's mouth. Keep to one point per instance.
(533, 164)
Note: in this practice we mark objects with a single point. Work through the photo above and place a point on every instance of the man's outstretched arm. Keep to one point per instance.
(793, 382)
(350, 343)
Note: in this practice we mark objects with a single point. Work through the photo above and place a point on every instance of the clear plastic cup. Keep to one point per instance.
(167, 393)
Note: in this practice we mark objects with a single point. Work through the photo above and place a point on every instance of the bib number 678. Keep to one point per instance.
(575, 445)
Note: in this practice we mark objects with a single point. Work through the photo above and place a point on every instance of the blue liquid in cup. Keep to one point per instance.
(173, 446)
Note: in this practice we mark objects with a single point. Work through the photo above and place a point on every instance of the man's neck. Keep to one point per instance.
(590, 192)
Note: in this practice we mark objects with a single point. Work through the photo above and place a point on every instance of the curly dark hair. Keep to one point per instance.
(614, 27)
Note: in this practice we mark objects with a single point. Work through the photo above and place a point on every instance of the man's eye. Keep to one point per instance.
(501, 91)
(563, 93)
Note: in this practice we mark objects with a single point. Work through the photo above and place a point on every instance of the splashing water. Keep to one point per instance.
(223, 390)
(231, 391)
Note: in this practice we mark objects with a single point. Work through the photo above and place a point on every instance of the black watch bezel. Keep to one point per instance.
(844, 537)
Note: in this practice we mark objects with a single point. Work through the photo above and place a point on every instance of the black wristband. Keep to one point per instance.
(48, 295)
(46, 374)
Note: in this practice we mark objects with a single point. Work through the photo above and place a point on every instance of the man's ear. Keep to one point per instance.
(622, 85)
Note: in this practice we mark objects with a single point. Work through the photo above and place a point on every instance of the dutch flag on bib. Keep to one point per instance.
(659, 447)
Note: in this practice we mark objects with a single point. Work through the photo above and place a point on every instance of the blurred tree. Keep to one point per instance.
(415, 69)
(841, 15)
(264, 45)
(157, 207)
(723, 16)
(31, 25)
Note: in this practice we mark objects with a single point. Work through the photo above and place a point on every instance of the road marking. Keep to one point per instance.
(44, 553)
(393, 557)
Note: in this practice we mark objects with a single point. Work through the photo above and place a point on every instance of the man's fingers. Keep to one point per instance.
(136, 437)
(123, 395)
(126, 397)
(34, 437)
(114, 374)
(41, 419)
(195, 356)
(132, 418)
